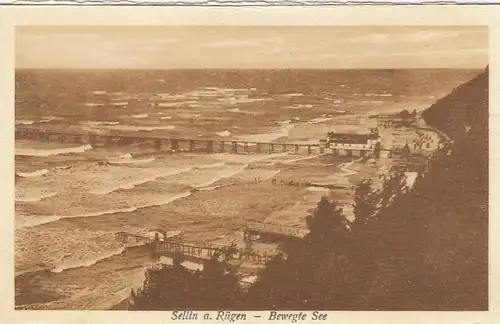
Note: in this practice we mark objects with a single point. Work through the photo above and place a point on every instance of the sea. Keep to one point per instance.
(72, 198)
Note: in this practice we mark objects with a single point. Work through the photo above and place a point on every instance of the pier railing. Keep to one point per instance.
(277, 229)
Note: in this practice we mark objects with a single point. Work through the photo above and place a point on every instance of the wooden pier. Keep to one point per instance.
(200, 252)
(162, 144)
(252, 232)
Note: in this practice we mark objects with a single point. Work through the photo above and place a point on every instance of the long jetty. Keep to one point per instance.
(162, 144)
(252, 232)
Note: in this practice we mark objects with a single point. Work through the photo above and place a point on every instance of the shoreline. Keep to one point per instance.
(347, 171)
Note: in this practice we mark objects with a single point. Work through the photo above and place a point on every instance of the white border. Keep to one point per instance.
(142, 16)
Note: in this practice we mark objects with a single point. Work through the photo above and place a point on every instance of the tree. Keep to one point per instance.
(365, 203)
(169, 287)
(404, 114)
(406, 152)
(327, 221)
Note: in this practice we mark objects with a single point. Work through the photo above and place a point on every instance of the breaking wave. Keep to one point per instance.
(132, 184)
(100, 123)
(128, 159)
(225, 133)
(36, 198)
(50, 152)
(284, 131)
(36, 173)
(89, 262)
(140, 116)
(32, 221)
(319, 120)
(133, 128)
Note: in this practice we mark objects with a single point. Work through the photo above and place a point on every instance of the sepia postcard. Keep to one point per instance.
(249, 165)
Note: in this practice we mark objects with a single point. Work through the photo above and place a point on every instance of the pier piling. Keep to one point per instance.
(210, 146)
(158, 145)
(175, 144)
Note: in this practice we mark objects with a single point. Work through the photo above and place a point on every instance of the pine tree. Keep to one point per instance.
(327, 222)
(365, 203)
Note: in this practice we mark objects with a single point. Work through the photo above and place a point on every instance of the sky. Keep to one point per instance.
(233, 47)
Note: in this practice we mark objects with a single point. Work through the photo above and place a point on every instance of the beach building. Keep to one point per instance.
(354, 139)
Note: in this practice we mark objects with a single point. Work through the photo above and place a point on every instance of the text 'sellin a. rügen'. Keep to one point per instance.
(222, 316)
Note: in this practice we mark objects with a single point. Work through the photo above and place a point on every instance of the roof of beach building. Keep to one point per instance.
(352, 136)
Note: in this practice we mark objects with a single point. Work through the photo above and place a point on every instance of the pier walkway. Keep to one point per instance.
(252, 232)
(162, 144)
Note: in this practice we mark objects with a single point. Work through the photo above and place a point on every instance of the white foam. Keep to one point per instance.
(99, 123)
(165, 117)
(169, 104)
(245, 159)
(121, 103)
(36, 198)
(99, 92)
(226, 174)
(131, 161)
(50, 118)
(299, 106)
(133, 128)
(92, 104)
(210, 188)
(127, 158)
(132, 184)
(89, 262)
(319, 120)
(24, 122)
(209, 166)
(32, 221)
(50, 152)
(300, 159)
(36, 173)
(140, 116)
(284, 131)
(132, 209)
(293, 94)
(225, 133)
(318, 189)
